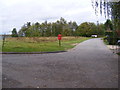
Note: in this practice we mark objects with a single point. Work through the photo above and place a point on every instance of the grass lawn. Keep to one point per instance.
(40, 44)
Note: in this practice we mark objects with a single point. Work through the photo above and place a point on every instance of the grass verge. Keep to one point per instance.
(40, 44)
(105, 41)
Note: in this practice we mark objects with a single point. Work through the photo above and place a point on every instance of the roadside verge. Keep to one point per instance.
(31, 52)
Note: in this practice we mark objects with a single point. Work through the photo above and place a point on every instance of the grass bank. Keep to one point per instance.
(40, 44)
(105, 40)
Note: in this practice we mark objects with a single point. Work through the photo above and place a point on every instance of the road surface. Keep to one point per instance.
(89, 65)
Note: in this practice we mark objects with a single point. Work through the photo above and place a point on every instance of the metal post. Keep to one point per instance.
(59, 42)
(3, 40)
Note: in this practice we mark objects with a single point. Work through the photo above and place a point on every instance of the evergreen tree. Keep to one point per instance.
(108, 25)
(14, 33)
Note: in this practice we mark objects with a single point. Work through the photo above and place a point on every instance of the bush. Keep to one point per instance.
(112, 38)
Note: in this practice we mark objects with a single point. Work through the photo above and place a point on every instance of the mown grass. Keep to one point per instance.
(40, 44)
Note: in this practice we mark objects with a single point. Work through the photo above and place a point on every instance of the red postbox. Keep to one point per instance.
(59, 36)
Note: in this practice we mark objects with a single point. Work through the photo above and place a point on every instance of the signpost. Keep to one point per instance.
(3, 37)
(59, 38)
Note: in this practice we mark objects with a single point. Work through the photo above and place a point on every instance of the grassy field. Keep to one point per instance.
(40, 44)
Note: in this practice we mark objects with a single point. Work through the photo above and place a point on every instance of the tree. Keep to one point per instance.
(28, 24)
(116, 14)
(67, 31)
(25, 30)
(86, 29)
(108, 25)
(14, 33)
(53, 31)
(22, 31)
(111, 10)
(37, 29)
(73, 26)
(48, 30)
(62, 21)
(101, 29)
(59, 26)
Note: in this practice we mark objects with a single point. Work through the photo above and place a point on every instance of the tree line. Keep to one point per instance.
(61, 26)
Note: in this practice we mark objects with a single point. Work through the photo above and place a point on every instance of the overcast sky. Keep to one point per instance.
(15, 13)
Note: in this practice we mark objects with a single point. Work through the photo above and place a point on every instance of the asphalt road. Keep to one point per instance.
(89, 65)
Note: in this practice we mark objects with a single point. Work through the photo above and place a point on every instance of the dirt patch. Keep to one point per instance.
(75, 44)
(113, 47)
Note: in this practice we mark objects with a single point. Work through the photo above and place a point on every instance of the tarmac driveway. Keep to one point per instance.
(89, 65)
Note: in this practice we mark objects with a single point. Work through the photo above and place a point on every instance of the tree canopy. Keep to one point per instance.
(108, 25)
(87, 29)
(48, 29)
